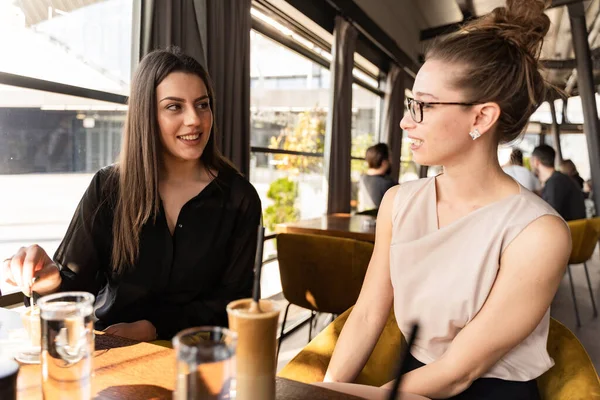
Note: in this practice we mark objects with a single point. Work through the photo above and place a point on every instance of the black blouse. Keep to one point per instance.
(180, 280)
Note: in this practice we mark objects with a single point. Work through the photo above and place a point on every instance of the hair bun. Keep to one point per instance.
(521, 22)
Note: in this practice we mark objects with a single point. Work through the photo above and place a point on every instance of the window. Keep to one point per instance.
(289, 100)
(409, 170)
(574, 147)
(86, 43)
(366, 117)
(50, 147)
(51, 144)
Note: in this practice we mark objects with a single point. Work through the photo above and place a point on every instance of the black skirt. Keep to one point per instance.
(489, 388)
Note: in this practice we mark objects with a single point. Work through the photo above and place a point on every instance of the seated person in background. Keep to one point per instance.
(166, 237)
(469, 254)
(590, 207)
(560, 191)
(587, 189)
(568, 168)
(521, 174)
(377, 180)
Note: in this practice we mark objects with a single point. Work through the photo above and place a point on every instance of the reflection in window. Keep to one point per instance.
(50, 146)
(289, 99)
(84, 43)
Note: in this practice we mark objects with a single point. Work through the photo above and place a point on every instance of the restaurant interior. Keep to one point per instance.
(303, 88)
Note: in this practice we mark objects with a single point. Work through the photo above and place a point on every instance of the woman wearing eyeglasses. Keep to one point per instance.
(470, 254)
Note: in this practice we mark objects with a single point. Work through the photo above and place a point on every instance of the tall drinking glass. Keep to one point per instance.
(31, 322)
(205, 364)
(67, 345)
(256, 349)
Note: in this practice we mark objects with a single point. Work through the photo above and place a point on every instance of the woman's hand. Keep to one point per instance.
(142, 331)
(32, 269)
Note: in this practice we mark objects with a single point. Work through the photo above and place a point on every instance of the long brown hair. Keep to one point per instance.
(499, 56)
(138, 168)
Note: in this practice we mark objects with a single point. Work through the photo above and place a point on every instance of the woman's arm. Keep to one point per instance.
(365, 323)
(531, 269)
(236, 282)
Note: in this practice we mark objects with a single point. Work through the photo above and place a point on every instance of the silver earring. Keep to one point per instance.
(475, 134)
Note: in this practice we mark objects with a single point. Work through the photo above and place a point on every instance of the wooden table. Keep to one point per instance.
(126, 369)
(359, 227)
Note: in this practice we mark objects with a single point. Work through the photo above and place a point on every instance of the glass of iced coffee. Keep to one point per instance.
(30, 354)
(256, 362)
(205, 364)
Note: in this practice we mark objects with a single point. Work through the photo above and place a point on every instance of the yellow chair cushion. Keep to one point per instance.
(163, 343)
(311, 363)
(584, 237)
(573, 376)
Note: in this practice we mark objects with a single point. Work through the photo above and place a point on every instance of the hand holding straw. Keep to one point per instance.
(402, 364)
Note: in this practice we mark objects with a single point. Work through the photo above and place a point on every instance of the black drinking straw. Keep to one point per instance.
(403, 359)
(258, 261)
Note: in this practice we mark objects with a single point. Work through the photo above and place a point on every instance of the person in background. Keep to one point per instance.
(590, 206)
(521, 174)
(166, 237)
(587, 189)
(377, 180)
(568, 168)
(559, 190)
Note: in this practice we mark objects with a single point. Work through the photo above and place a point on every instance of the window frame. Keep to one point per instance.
(26, 82)
(276, 36)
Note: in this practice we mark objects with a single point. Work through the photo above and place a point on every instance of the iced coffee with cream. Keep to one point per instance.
(256, 350)
(32, 324)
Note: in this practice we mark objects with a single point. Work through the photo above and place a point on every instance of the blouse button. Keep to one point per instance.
(181, 226)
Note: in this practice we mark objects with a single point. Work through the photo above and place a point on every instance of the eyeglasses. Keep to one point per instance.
(415, 107)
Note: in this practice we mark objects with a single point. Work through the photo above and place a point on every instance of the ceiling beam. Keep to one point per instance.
(558, 3)
(434, 32)
(324, 12)
(571, 63)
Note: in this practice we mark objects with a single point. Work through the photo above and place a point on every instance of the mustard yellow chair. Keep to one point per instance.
(584, 235)
(321, 273)
(573, 376)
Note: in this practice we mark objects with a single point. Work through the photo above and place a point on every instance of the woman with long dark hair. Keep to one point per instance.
(166, 237)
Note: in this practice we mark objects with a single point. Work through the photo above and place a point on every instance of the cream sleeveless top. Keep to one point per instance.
(442, 277)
